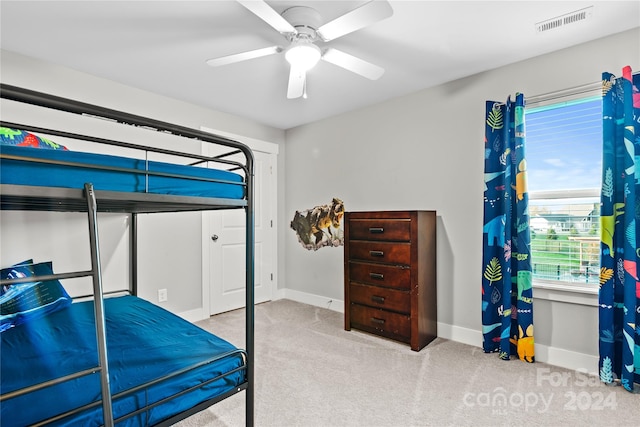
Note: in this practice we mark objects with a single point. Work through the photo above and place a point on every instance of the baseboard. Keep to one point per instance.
(311, 299)
(567, 359)
(460, 334)
(552, 355)
(194, 315)
(302, 297)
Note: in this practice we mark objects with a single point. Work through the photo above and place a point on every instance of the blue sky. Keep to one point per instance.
(564, 146)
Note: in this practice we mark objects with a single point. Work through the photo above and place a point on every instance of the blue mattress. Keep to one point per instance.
(191, 181)
(144, 342)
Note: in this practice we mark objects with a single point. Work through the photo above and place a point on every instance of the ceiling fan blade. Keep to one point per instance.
(353, 64)
(297, 78)
(265, 12)
(237, 57)
(365, 15)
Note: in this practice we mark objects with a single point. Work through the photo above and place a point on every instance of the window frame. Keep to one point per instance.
(556, 290)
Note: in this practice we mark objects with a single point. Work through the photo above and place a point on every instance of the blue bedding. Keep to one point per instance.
(88, 169)
(144, 342)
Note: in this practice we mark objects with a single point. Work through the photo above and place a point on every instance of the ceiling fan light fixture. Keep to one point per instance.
(303, 56)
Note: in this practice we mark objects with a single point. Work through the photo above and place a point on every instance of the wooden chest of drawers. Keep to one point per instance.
(390, 275)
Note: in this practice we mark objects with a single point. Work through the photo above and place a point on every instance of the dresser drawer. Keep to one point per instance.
(374, 296)
(381, 275)
(380, 229)
(390, 253)
(390, 275)
(382, 322)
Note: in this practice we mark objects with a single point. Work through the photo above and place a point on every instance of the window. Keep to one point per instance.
(564, 166)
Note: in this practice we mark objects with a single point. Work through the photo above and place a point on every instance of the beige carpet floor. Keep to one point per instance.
(311, 372)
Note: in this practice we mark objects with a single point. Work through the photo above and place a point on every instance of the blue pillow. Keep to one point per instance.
(22, 302)
(22, 138)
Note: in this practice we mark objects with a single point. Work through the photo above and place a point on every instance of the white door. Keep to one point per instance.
(227, 244)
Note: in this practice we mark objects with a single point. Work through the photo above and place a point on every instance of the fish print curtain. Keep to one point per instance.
(619, 294)
(507, 298)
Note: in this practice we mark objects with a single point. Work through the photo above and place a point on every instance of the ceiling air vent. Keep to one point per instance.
(566, 19)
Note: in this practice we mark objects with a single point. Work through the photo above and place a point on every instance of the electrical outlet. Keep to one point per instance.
(162, 295)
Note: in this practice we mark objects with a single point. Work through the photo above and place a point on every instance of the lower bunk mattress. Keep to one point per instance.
(144, 343)
(71, 169)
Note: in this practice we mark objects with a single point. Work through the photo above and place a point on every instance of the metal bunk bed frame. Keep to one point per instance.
(16, 197)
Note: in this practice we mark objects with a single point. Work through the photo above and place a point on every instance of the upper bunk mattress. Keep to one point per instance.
(72, 169)
(144, 343)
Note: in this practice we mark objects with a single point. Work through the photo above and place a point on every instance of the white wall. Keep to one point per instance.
(421, 151)
(425, 151)
(170, 249)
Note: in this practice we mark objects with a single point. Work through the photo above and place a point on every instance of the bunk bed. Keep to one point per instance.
(115, 360)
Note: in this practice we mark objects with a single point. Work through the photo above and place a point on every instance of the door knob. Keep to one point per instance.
(214, 237)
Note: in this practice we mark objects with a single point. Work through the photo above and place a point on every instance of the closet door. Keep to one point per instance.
(227, 244)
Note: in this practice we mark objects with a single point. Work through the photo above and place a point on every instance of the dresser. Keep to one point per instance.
(390, 275)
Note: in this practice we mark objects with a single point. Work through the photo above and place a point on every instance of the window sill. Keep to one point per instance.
(583, 295)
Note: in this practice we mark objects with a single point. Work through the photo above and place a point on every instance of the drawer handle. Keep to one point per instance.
(378, 321)
(376, 230)
(379, 300)
(377, 276)
(376, 253)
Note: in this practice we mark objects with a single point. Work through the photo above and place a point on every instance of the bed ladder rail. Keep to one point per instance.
(96, 274)
(98, 301)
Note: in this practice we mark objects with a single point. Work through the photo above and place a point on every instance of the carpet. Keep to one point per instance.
(311, 372)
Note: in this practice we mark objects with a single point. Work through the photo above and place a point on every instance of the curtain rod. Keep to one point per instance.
(563, 93)
(576, 90)
(572, 91)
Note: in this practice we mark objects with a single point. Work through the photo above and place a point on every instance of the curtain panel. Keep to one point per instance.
(619, 295)
(507, 298)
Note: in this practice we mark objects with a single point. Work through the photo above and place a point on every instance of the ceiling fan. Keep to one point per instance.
(302, 26)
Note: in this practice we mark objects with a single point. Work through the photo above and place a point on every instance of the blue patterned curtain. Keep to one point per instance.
(507, 298)
(619, 217)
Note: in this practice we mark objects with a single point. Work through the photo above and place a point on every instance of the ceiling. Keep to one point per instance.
(162, 46)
